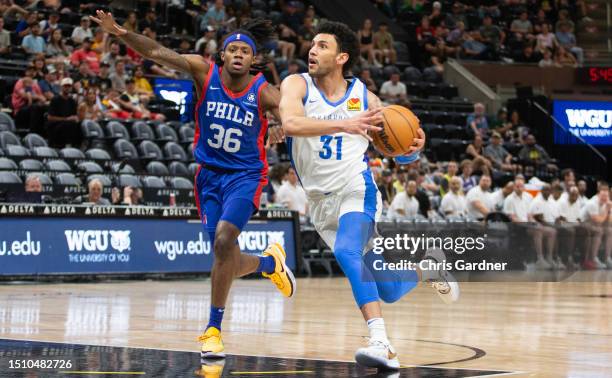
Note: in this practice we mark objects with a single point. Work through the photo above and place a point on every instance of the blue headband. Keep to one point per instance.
(240, 37)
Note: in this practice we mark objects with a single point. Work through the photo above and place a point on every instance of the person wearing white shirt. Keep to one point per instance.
(454, 202)
(543, 209)
(582, 189)
(596, 214)
(83, 31)
(291, 194)
(393, 91)
(516, 206)
(479, 199)
(405, 203)
(499, 196)
(569, 226)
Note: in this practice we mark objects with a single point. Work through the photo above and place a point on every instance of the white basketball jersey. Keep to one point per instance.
(327, 163)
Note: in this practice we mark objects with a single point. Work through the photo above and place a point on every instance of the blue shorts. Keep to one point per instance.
(232, 196)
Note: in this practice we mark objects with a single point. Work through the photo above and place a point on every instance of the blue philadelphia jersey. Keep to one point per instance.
(230, 127)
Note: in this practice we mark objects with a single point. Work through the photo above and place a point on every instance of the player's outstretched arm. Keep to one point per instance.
(295, 122)
(270, 99)
(194, 65)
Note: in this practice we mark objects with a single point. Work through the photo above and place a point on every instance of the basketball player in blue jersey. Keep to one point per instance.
(326, 119)
(229, 145)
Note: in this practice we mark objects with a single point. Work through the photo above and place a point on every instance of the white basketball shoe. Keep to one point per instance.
(443, 282)
(378, 354)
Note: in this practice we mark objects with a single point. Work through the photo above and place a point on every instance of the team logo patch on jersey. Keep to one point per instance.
(251, 97)
(353, 104)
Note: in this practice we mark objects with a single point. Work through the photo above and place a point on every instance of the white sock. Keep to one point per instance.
(376, 326)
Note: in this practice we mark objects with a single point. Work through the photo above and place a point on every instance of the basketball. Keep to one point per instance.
(399, 128)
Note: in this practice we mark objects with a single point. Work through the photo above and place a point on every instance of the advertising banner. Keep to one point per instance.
(590, 120)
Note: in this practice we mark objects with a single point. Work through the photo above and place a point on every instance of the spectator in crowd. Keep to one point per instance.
(563, 58)
(119, 77)
(570, 228)
(468, 180)
(597, 217)
(436, 17)
(82, 31)
(33, 184)
(543, 209)
(33, 43)
(86, 54)
(457, 35)
(40, 66)
(5, 39)
(492, 36)
(132, 196)
(385, 187)
(89, 108)
(142, 85)
(473, 48)
(534, 155)
(292, 68)
(569, 179)
(476, 148)
(454, 203)
(103, 81)
(56, 48)
(366, 77)
(207, 45)
(546, 40)
(451, 171)
(215, 16)
(421, 194)
(132, 103)
(540, 20)
(49, 85)
(528, 55)
(582, 190)
(114, 105)
(62, 121)
(94, 196)
(424, 31)
(131, 22)
(498, 155)
(291, 194)
(83, 78)
(112, 55)
(477, 121)
(480, 201)
(567, 40)
(563, 20)
(24, 27)
(305, 35)
(99, 42)
(383, 42)
(522, 28)
(394, 91)
(547, 60)
(502, 124)
(29, 103)
(366, 46)
(405, 203)
(150, 20)
(519, 130)
(499, 196)
(48, 26)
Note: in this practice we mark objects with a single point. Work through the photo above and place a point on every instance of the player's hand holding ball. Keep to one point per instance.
(365, 122)
(401, 133)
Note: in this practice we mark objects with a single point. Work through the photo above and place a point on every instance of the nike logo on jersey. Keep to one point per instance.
(229, 112)
(312, 101)
(213, 88)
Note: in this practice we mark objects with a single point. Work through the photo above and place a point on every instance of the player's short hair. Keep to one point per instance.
(345, 38)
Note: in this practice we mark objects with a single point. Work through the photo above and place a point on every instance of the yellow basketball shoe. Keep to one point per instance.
(211, 368)
(282, 276)
(212, 345)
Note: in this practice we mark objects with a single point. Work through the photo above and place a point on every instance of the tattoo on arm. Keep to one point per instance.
(153, 50)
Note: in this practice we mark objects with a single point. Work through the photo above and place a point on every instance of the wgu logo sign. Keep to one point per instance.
(97, 240)
(590, 118)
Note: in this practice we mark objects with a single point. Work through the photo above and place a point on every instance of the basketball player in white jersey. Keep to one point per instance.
(326, 119)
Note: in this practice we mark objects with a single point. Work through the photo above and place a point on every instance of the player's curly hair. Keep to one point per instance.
(345, 38)
(260, 31)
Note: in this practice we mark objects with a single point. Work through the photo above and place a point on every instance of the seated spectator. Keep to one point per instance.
(457, 35)
(5, 39)
(49, 85)
(33, 184)
(563, 58)
(385, 187)
(474, 49)
(305, 35)
(62, 121)
(95, 194)
(99, 42)
(383, 42)
(24, 27)
(528, 55)
(366, 77)
(477, 121)
(131, 102)
(405, 204)
(502, 124)
(184, 47)
(40, 67)
(82, 31)
(547, 60)
(292, 69)
(492, 36)
(56, 48)
(113, 55)
(143, 87)
(454, 203)
(522, 28)
(119, 77)
(546, 40)
(499, 196)
(113, 105)
(29, 103)
(543, 209)
(393, 91)
(570, 225)
(534, 154)
(132, 196)
(596, 216)
(424, 31)
(207, 45)
(215, 16)
(291, 194)
(83, 78)
(150, 20)
(451, 171)
(33, 43)
(498, 155)
(567, 40)
(48, 26)
(539, 21)
(90, 108)
(103, 81)
(480, 201)
(422, 194)
(86, 54)
(366, 46)
(131, 22)
(468, 180)
(563, 21)
(436, 18)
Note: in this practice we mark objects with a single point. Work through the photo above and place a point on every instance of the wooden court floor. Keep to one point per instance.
(535, 329)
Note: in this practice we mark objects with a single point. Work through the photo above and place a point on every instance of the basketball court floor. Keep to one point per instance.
(149, 328)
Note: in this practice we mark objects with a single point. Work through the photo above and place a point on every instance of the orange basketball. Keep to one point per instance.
(399, 128)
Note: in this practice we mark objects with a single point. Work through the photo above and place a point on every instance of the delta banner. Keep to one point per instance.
(74, 245)
(590, 120)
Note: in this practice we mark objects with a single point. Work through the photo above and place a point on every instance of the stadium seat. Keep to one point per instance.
(459, 146)
(6, 122)
(91, 130)
(7, 138)
(44, 152)
(7, 164)
(141, 131)
(31, 165)
(44, 179)
(433, 130)
(412, 74)
(127, 169)
(441, 149)
(128, 180)
(67, 179)
(125, 149)
(34, 140)
(186, 134)
(17, 151)
(97, 154)
(455, 131)
(173, 151)
(116, 130)
(177, 168)
(176, 125)
(103, 179)
(90, 167)
(181, 183)
(153, 182)
(193, 168)
(166, 133)
(58, 166)
(150, 150)
(71, 153)
(9, 178)
(157, 168)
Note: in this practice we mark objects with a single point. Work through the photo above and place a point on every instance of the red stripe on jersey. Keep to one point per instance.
(242, 92)
(260, 145)
(196, 136)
